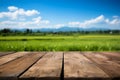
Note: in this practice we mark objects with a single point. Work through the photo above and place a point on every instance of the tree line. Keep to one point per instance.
(9, 32)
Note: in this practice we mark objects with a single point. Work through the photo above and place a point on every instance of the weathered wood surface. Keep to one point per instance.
(47, 68)
(5, 53)
(114, 56)
(7, 58)
(14, 68)
(105, 63)
(77, 66)
(60, 66)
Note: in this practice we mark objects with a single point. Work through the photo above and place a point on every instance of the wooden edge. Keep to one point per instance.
(5, 53)
(55, 76)
(92, 78)
(8, 78)
(41, 78)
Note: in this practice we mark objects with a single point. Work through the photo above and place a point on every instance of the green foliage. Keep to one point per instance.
(60, 43)
(29, 32)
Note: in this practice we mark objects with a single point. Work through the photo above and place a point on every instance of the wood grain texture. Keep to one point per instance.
(5, 53)
(77, 66)
(59, 66)
(110, 67)
(113, 56)
(47, 68)
(10, 57)
(14, 68)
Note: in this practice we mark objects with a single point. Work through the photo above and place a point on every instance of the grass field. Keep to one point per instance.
(61, 43)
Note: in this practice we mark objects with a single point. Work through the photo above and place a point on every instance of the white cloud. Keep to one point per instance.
(59, 25)
(39, 20)
(99, 21)
(18, 17)
(30, 12)
(87, 22)
(12, 8)
(15, 13)
(93, 21)
(26, 24)
(113, 22)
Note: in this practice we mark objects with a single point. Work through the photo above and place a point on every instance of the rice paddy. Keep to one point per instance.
(60, 43)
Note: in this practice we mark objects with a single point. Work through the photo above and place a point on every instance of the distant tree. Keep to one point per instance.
(6, 30)
(28, 31)
(38, 31)
(116, 31)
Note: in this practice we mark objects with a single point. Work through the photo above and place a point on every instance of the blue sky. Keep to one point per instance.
(59, 13)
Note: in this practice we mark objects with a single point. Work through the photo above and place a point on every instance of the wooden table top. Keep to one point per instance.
(59, 65)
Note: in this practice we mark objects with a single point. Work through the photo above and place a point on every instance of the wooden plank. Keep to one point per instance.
(110, 67)
(15, 68)
(113, 56)
(47, 68)
(77, 66)
(10, 57)
(5, 53)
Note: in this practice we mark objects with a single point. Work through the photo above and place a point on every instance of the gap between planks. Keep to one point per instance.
(47, 68)
(77, 66)
(107, 64)
(15, 68)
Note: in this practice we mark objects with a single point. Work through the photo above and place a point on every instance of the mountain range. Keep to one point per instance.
(64, 29)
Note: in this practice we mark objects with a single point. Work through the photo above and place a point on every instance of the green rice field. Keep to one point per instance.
(60, 43)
